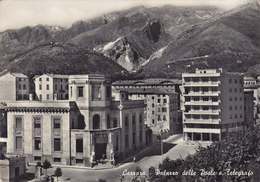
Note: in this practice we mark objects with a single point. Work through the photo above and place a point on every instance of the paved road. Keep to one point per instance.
(181, 149)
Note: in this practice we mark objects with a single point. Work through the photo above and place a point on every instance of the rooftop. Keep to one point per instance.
(147, 91)
(155, 81)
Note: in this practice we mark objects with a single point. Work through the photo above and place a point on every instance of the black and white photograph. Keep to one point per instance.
(129, 90)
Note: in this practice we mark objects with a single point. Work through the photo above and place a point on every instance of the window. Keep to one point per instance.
(230, 80)
(140, 118)
(241, 115)
(235, 80)
(20, 87)
(235, 90)
(79, 161)
(79, 145)
(56, 123)
(96, 121)
(141, 136)
(164, 101)
(40, 79)
(164, 117)
(20, 79)
(37, 158)
(230, 98)
(133, 138)
(115, 122)
(47, 97)
(153, 121)
(230, 107)
(18, 123)
(159, 117)
(152, 97)
(37, 122)
(108, 121)
(164, 109)
(19, 143)
(47, 87)
(159, 100)
(40, 96)
(55, 159)
(56, 87)
(80, 91)
(96, 92)
(152, 112)
(152, 105)
(126, 141)
(133, 119)
(57, 144)
(235, 116)
(230, 116)
(47, 79)
(67, 87)
(159, 109)
(37, 143)
(40, 87)
(126, 121)
(24, 87)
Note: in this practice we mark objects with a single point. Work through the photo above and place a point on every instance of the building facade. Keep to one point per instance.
(51, 87)
(213, 104)
(12, 168)
(14, 86)
(161, 111)
(86, 128)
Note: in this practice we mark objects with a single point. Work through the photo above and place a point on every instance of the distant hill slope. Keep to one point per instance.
(230, 41)
(63, 59)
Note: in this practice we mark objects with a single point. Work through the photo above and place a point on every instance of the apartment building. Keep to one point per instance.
(161, 111)
(14, 86)
(51, 87)
(87, 127)
(213, 104)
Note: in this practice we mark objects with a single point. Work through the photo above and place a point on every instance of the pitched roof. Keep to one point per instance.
(19, 75)
(151, 81)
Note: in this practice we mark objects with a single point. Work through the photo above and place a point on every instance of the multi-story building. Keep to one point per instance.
(51, 87)
(155, 92)
(87, 127)
(213, 104)
(14, 86)
(161, 111)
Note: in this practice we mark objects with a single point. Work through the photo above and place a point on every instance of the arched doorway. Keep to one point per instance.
(81, 122)
(96, 121)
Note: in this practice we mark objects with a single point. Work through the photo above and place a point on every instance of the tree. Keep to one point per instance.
(58, 172)
(46, 165)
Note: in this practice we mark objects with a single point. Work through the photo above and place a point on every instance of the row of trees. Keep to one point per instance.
(236, 158)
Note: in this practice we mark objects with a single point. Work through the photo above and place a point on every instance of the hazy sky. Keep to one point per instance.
(20, 13)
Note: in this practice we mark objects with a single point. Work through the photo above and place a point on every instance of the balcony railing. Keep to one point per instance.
(207, 112)
(209, 93)
(201, 102)
(203, 83)
(202, 130)
(208, 121)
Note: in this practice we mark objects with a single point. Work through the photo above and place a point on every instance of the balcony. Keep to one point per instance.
(201, 83)
(203, 112)
(203, 121)
(202, 130)
(201, 93)
(202, 103)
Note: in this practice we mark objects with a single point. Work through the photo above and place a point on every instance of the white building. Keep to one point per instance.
(14, 86)
(213, 104)
(51, 87)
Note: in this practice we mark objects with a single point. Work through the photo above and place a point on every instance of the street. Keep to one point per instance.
(181, 149)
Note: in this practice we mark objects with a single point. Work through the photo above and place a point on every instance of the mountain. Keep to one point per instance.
(229, 40)
(63, 59)
(151, 42)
